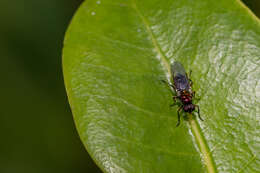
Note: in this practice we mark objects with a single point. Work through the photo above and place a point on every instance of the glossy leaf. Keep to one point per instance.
(117, 52)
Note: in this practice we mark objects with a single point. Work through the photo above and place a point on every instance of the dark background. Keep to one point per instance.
(36, 126)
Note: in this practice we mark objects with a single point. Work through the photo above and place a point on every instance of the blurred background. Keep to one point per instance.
(36, 126)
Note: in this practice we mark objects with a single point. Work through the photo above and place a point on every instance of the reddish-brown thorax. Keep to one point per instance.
(186, 97)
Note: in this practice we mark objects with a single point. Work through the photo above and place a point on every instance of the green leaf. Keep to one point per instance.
(117, 52)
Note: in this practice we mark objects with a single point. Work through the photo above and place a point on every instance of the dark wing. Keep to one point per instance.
(180, 79)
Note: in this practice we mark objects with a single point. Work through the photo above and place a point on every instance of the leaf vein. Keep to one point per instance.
(133, 106)
(247, 164)
(134, 142)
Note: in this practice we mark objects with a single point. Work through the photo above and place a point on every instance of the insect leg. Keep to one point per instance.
(196, 97)
(193, 94)
(179, 116)
(199, 112)
(174, 98)
(168, 84)
(189, 76)
(190, 81)
(173, 93)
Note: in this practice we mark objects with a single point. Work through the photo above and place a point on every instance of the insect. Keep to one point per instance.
(182, 86)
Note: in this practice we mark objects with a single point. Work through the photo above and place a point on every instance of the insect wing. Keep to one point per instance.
(177, 68)
(180, 79)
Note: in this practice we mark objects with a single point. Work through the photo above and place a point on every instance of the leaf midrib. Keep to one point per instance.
(162, 57)
(207, 158)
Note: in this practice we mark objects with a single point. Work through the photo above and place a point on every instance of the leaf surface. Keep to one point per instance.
(117, 52)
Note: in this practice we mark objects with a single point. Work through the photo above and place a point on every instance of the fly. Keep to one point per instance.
(182, 86)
